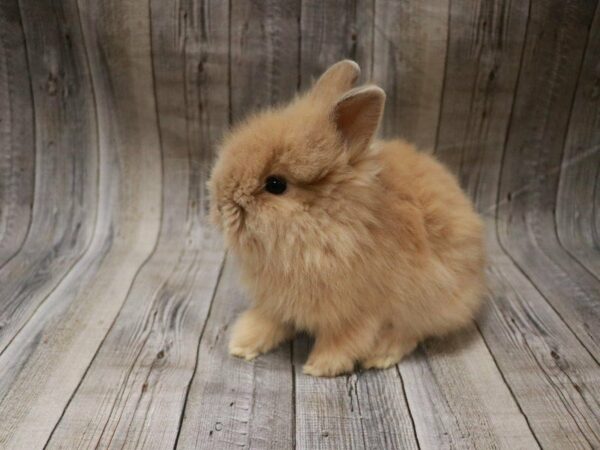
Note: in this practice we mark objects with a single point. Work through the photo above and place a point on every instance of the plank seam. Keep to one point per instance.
(498, 201)
(496, 228)
(189, 386)
(34, 132)
(86, 248)
(564, 163)
(410, 414)
(443, 89)
(507, 384)
(141, 266)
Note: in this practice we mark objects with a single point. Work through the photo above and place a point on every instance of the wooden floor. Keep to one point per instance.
(116, 298)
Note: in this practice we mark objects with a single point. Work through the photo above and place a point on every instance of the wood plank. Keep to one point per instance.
(484, 49)
(367, 410)
(553, 377)
(446, 381)
(536, 353)
(578, 197)
(134, 392)
(352, 411)
(47, 359)
(330, 32)
(264, 54)
(66, 177)
(253, 406)
(410, 47)
(250, 407)
(17, 134)
(363, 50)
(458, 398)
(359, 411)
(526, 222)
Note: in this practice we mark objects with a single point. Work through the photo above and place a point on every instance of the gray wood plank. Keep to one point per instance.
(534, 147)
(264, 54)
(458, 398)
(252, 405)
(578, 197)
(359, 411)
(42, 367)
(367, 410)
(484, 50)
(66, 177)
(410, 47)
(536, 353)
(234, 403)
(332, 34)
(132, 395)
(446, 381)
(134, 392)
(17, 134)
(104, 300)
(552, 376)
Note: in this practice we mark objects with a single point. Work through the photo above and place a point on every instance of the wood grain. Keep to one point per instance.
(116, 299)
(17, 134)
(578, 196)
(135, 390)
(536, 353)
(526, 223)
(264, 54)
(332, 28)
(250, 407)
(410, 45)
(48, 358)
(359, 411)
(66, 178)
(458, 398)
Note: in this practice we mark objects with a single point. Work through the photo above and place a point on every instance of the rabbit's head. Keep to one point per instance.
(298, 181)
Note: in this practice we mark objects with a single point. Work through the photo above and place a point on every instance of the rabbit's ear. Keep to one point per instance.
(357, 115)
(336, 80)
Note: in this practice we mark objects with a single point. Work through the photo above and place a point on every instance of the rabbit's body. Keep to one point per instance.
(371, 248)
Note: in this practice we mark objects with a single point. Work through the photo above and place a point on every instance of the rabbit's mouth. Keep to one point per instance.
(231, 219)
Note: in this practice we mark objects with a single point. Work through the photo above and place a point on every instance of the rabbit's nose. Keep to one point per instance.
(242, 199)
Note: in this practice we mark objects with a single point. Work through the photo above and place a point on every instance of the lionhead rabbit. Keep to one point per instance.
(369, 246)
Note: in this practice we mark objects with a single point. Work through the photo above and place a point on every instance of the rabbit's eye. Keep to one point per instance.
(275, 185)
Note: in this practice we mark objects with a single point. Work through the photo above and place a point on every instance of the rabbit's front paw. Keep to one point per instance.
(328, 367)
(253, 334)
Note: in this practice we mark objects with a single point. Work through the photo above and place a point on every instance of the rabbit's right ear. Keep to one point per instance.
(336, 80)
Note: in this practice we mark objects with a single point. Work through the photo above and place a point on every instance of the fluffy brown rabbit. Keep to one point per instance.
(369, 246)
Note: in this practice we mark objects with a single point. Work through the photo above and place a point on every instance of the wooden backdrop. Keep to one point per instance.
(114, 296)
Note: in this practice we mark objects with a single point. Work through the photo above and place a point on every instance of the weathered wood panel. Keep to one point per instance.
(359, 411)
(66, 178)
(534, 147)
(577, 212)
(251, 407)
(264, 54)
(458, 398)
(17, 133)
(113, 318)
(410, 45)
(536, 353)
(332, 28)
(234, 403)
(48, 358)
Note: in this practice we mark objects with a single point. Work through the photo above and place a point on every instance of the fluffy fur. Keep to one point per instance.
(373, 246)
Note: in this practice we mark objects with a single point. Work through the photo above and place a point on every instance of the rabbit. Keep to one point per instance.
(369, 246)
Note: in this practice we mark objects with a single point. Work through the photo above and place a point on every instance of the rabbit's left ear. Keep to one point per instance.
(336, 80)
(357, 115)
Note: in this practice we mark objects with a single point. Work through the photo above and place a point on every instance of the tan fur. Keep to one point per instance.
(373, 246)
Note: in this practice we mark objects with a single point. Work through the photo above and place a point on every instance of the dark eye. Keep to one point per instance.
(275, 185)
